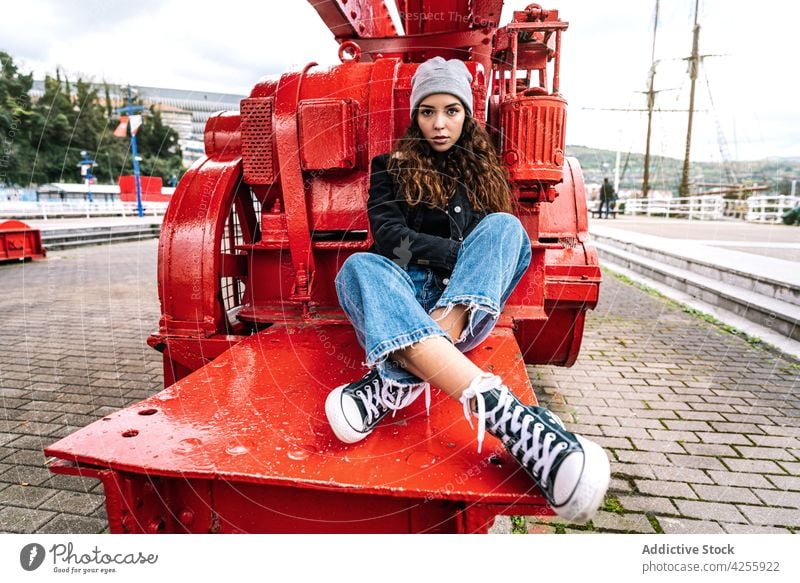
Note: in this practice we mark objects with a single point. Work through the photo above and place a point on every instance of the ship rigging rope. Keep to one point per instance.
(721, 141)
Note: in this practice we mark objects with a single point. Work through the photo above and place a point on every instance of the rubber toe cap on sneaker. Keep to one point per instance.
(592, 483)
(344, 417)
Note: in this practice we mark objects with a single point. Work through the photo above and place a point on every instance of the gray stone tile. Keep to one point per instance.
(739, 479)
(502, 525)
(651, 504)
(665, 489)
(709, 510)
(73, 503)
(671, 525)
(786, 482)
(754, 466)
(770, 516)
(23, 520)
(71, 524)
(26, 475)
(725, 494)
(778, 497)
(753, 529)
(696, 461)
(678, 474)
(28, 496)
(635, 523)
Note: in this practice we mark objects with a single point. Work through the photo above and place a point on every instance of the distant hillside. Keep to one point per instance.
(665, 173)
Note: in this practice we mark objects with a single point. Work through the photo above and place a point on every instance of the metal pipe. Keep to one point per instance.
(557, 63)
(514, 48)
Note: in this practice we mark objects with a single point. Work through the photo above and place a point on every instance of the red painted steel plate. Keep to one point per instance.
(256, 414)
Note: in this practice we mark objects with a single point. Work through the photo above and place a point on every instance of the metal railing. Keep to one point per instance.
(703, 208)
(76, 208)
(769, 208)
(736, 208)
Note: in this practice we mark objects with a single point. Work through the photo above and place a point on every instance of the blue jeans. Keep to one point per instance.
(390, 306)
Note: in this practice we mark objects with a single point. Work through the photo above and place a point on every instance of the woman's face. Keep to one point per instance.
(441, 119)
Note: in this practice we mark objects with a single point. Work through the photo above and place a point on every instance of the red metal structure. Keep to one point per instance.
(251, 331)
(151, 189)
(18, 242)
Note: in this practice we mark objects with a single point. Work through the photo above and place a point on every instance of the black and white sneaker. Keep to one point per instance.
(572, 472)
(354, 410)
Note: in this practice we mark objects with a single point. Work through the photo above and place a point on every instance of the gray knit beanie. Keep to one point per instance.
(439, 76)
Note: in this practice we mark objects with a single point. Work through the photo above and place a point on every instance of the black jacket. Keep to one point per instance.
(396, 225)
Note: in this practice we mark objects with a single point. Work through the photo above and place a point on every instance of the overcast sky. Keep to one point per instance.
(748, 94)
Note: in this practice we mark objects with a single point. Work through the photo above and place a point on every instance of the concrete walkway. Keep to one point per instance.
(773, 240)
(752, 288)
(758, 260)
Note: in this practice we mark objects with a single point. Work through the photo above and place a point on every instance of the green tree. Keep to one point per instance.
(17, 120)
(42, 141)
(56, 153)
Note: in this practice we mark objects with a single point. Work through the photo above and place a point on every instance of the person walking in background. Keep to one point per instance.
(607, 197)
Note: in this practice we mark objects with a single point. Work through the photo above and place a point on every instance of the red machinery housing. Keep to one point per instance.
(251, 331)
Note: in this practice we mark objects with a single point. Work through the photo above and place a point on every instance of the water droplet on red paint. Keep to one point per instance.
(297, 454)
(421, 459)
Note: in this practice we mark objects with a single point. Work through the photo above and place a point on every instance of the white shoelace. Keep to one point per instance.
(369, 395)
(480, 384)
(395, 398)
(392, 397)
(535, 448)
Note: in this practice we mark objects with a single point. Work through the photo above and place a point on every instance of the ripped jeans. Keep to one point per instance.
(390, 306)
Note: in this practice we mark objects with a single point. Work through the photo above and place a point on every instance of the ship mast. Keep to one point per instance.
(651, 97)
(693, 66)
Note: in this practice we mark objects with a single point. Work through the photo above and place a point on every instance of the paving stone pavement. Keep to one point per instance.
(702, 427)
(73, 350)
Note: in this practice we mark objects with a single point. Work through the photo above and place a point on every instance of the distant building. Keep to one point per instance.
(184, 111)
(181, 121)
(15, 193)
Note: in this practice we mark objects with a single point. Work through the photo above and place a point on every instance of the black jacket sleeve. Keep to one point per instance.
(393, 237)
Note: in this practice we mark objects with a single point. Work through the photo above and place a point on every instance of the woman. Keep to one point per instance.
(447, 255)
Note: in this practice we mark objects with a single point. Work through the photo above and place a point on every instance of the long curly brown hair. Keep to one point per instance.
(428, 177)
